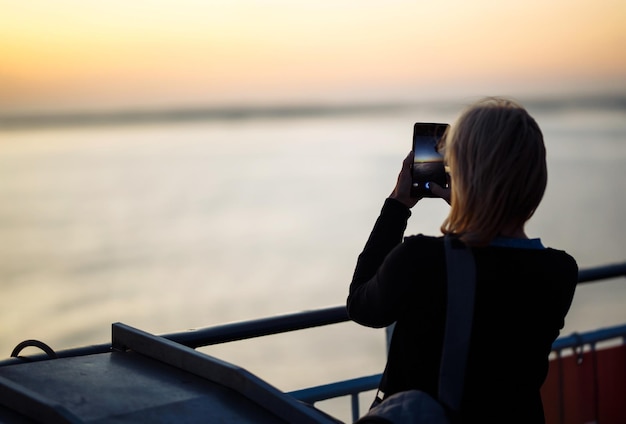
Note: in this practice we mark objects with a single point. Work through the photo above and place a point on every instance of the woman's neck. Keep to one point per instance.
(513, 232)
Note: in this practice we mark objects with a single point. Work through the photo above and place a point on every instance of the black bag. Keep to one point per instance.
(407, 407)
(418, 407)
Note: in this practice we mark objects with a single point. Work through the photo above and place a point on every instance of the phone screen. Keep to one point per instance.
(427, 161)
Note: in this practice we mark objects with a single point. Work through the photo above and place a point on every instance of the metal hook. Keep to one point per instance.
(35, 343)
(578, 348)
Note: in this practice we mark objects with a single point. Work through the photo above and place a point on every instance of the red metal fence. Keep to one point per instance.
(587, 387)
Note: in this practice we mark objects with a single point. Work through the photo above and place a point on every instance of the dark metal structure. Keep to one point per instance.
(144, 378)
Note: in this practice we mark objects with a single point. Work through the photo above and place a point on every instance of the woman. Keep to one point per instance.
(497, 167)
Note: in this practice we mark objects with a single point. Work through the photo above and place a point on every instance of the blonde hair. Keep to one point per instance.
(498, 173)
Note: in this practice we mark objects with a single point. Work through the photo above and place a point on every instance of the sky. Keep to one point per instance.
(96, 54)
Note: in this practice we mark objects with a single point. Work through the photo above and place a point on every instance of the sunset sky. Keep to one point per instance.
(76, 54)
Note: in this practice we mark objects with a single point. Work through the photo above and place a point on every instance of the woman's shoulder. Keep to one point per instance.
(560, 259)
(547, 264)
(419, 244)
(424, 239)
(427, 247)
(423, 242)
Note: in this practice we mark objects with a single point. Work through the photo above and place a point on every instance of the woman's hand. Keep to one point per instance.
(439, 191)
(402, 190)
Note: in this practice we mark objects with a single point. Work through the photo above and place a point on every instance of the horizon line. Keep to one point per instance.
(182, 114)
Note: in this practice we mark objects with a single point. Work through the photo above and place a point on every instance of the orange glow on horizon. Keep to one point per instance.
(74, 52)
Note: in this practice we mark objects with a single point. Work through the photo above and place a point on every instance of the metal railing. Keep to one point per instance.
(321, 317)
(354, 387)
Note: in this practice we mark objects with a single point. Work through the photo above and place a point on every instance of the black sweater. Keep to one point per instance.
(522, 297)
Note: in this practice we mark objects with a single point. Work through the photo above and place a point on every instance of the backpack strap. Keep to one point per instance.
(461, 271)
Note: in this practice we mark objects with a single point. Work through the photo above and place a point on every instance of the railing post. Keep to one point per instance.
(355, 406)
(388, 334)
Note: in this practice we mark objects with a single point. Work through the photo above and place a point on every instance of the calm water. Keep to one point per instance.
(185, 225)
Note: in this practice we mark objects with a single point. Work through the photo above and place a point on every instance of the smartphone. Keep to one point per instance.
(427, 161)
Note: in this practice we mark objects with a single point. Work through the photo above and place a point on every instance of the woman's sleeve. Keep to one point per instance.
(371, 298)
